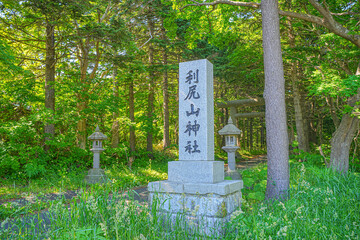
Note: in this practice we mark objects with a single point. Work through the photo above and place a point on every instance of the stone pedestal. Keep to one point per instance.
(204, 207)
(195, 190)
(231, 156)
(96, 175)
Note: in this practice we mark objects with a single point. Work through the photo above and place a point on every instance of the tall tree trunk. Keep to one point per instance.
(251, 133)
(116, 114)
(262, 130)
(49, 128)
(82, 124)
(132, 136)
(150, 106)
(275, 109)
(166, 133)
(300, 122)
(243, 134)
(334, 116)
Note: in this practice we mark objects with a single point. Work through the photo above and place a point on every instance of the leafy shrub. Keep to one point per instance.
(254, 183)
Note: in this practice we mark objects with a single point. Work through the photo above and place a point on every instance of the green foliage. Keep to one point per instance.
(333, 85)
(312, 158)
(254, 184)
(23, 155)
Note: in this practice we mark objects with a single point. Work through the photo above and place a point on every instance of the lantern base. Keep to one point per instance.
(234, 175)
(96, 175)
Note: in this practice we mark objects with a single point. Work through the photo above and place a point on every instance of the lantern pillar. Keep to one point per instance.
(96, 174)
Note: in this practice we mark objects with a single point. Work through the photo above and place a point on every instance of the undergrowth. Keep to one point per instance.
(321, 205)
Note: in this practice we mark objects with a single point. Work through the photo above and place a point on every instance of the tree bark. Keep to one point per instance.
(49, 128)
(275, 109)
(334, 116)
(341, 142)
(150, 106)
(81, 125)
(300, 122)
(132, 136)
(115, 125)
(166, 133)
(251, 133)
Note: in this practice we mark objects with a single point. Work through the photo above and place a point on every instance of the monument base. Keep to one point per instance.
(96, 175)
(202, 207)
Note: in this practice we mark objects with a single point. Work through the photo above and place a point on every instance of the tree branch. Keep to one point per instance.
(344, 13)
(327, 21)
(228, 2)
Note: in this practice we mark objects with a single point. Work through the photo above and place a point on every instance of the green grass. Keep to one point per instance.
(120, 177)
(321, 205)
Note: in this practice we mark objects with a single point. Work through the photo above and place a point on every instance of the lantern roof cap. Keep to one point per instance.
(230, 129)
(97, 135)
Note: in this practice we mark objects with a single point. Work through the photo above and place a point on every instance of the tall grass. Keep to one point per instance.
(99, 214)
(321, 205)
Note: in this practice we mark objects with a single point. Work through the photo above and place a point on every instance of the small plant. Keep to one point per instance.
(254, 183)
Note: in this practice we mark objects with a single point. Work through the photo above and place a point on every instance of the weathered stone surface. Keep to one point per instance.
(204, 212)
(231, 157)
(196, 171)
(166, 186)
(222, 188)
(196, 111)
(96, 175)
(213, 200)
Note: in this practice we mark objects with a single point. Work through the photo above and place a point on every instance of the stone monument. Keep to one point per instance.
(96, 174)
(230, 131)
(196, 189)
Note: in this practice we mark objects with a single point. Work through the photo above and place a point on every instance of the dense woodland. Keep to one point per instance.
(69, 65)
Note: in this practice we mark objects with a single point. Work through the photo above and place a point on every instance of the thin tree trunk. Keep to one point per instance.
(82, 104)
(132, 136)
(166, 133)
(49, 128)
(275, 109)
(251, 133)
(244, 134)
(116, 114)
(263, 134)
(302, 136)
(334, 116)
(150, 106)
(81, 125)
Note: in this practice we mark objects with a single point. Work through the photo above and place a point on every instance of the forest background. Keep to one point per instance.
(68, 65)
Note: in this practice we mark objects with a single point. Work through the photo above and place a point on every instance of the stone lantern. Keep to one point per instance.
(230, 131)
(96, 174)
